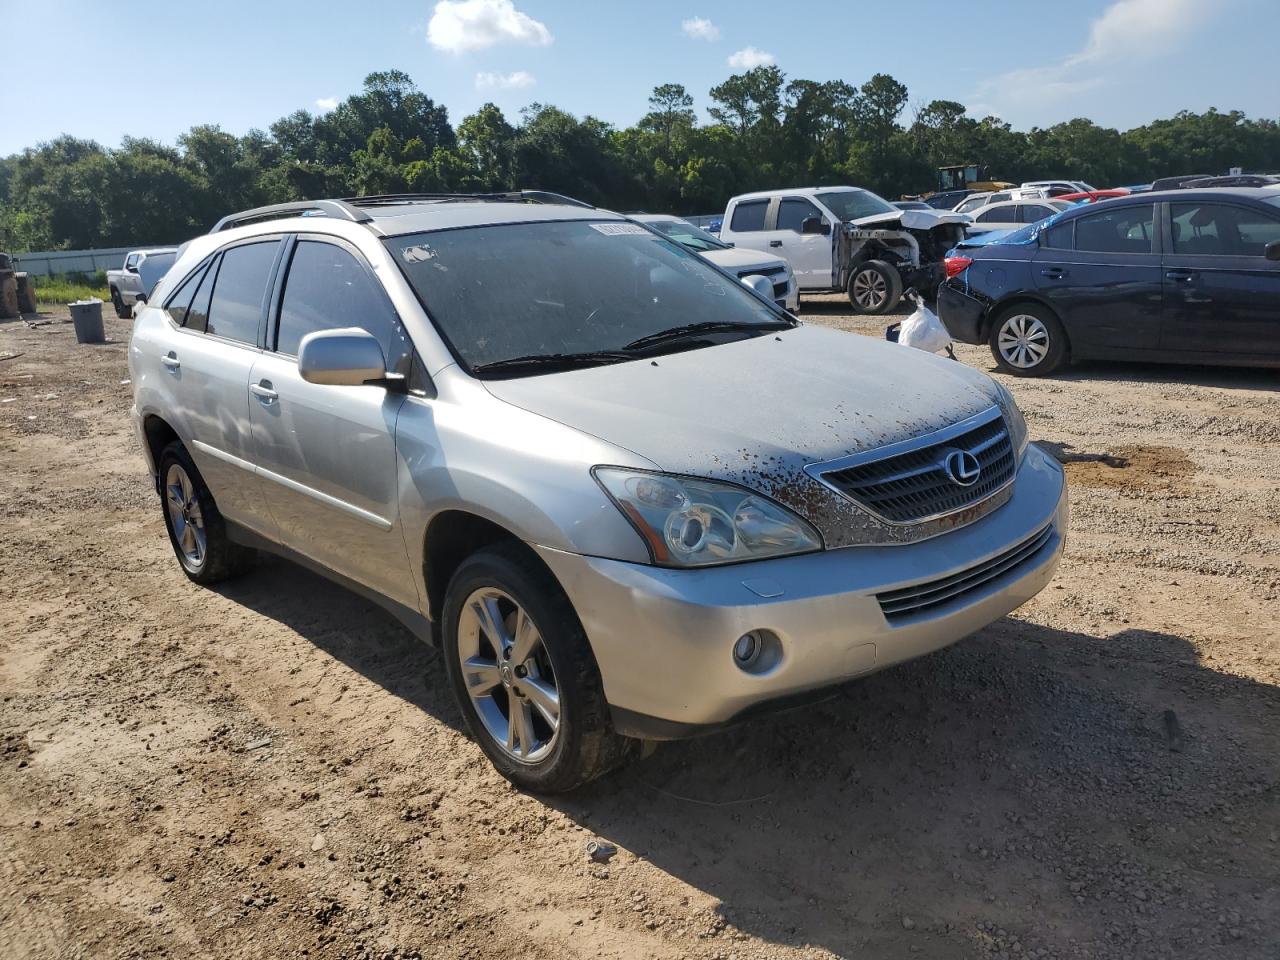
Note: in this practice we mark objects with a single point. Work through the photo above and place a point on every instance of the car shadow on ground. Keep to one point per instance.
(1244, 378)
(942, 808)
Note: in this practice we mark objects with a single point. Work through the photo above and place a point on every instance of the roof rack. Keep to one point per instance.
(339, 209)
(349, 208)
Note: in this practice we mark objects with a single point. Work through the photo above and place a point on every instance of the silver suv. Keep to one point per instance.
(631, 498)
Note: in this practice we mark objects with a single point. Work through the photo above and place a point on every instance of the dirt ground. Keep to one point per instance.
(275, 768)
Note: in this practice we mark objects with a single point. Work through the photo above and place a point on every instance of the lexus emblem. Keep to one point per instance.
(962, 467)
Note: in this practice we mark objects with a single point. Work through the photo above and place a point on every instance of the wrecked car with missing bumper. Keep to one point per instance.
(847, 240)
(630, 498)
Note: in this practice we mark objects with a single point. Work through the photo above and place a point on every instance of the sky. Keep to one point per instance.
(154, 69)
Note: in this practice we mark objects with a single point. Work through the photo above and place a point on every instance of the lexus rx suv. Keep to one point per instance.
(630, 497)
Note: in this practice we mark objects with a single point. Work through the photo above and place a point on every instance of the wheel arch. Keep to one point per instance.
(453, 535)
(158, 434)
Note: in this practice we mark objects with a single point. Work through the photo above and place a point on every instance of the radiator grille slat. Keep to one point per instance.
(924, 597)
(914, 485)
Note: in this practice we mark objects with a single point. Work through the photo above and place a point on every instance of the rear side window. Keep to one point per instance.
(792, 212)
(749, 216)
(1125, 230)
(235, 310)
(1211, 229)
(998, 215)
(177, 304)
(1034, 212)
(328, 288)
(198, 315)
(973, 203)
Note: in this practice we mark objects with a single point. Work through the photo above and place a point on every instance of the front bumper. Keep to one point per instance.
(663, 638)
(961, 314)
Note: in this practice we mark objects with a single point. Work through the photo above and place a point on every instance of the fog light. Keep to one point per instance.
(747, 650)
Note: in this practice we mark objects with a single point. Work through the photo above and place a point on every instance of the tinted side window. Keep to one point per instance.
(749, 215)
(241, 287)
(328, 288)
(793, 212)
(998, 215)
(1034, 212)
(198, 315)
(177, 304)
(1126, 230)
(1211, 229)
(1058, 237)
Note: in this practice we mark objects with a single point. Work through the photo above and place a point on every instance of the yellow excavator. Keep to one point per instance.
(965, 176)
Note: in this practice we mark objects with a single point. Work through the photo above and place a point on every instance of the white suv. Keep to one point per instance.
(629, 497)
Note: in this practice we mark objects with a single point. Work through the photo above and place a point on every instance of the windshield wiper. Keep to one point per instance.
(562, 361)
(708, 326)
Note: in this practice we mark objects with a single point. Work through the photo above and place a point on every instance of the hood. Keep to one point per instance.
(735, 260)
(913, 219)
(756, 412)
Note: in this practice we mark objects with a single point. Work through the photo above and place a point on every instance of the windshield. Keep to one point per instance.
(560, 288)
(852, 204)
(687, 235)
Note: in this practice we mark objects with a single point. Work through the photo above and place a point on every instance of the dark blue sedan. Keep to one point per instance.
(1180, 276)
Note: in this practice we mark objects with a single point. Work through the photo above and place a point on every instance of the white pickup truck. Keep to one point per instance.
(847, 240)
(142, 270)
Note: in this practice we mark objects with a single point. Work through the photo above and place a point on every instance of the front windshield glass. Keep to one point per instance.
(559, 288)
(687, 235)
(852, 204)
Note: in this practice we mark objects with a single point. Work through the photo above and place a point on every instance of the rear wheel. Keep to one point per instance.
(523, 674)
(1027, 340)
(122, 311)
(875, 287)
(197, 531)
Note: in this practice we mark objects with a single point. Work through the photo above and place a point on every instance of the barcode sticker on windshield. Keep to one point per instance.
(621, 229)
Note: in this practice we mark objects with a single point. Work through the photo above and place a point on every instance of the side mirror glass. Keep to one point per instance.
(1272, 250)
(348, 357)
(131, 268)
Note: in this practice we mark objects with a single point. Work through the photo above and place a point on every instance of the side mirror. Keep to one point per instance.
(132, 268)
(140, 298)
(762, 285)
(815, 225)
(349, 357)
(1272, 250)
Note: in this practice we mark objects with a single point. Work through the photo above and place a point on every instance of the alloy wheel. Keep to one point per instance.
(508, 675)
(870, 289)
(1023, 341)
(185, 515)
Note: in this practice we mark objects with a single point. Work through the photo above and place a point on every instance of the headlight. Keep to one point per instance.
(692, 523)
(1013, 419)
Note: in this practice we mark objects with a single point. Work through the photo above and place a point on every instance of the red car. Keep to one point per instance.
(1093, 196)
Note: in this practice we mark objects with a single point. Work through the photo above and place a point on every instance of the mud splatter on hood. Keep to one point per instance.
(755, 412)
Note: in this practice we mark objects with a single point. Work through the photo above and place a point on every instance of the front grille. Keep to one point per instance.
(915, 485)
(926, 597)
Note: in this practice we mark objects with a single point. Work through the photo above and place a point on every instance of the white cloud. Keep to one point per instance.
(505, 81)
(749, 57)
(327, 103)
(700, 28)
(459, 26)
(1126, 32)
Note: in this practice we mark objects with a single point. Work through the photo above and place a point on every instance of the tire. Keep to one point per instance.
(204, 551)
(122, 311)
(497, 586)
(875, 287)
(1027, 340)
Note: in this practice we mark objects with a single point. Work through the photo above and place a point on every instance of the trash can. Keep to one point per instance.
(87, 316)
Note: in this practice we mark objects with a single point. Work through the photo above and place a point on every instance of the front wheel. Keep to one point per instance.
(875, 287)
(123, 311)
(524, 676)
(1027, 340)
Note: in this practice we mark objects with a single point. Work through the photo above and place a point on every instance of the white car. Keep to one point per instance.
(971, 205)
(1013, 214)
(735, 260)
(1071, 186)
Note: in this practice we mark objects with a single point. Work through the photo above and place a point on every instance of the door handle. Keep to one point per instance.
(1053, 273)
(775, 243)
(171, 360)
(1182, 276)
(262, 390)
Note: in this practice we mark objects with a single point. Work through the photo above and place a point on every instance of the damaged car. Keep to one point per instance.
(847, 240)
(628, 497)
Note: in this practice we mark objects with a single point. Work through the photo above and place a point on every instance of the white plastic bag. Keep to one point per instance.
(923, 330)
